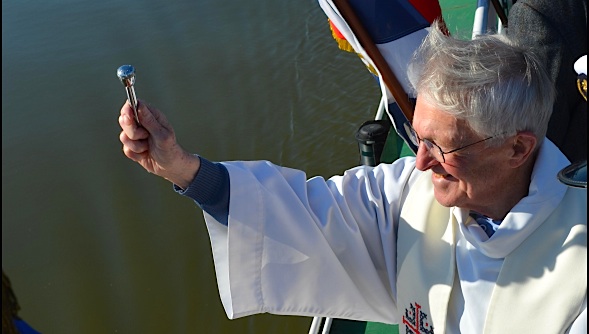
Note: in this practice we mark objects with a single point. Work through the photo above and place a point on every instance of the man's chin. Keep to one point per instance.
(444, 199)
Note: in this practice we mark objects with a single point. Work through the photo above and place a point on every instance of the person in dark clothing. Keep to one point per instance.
(558, 31)
(11, 322)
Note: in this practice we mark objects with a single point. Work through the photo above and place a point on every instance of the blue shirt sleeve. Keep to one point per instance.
(24, 328)
(210, 189)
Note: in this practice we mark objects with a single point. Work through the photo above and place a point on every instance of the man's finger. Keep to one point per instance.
(155, 123)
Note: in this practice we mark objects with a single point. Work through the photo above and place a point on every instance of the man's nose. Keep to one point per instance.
(424, 160)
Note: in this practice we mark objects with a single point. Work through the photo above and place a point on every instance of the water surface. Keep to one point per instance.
(93, 243)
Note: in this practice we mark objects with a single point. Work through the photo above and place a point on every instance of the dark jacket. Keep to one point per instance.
(559, 31)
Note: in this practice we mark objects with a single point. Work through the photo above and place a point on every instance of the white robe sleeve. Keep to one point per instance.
(579, 326)
(310, 247)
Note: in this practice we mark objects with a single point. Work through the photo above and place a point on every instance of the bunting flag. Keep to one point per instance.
(342, 43)
(395, 29)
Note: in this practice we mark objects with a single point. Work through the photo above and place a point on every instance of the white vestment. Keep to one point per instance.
(329, 247)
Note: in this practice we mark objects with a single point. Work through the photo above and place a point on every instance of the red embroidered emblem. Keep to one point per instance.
(416, 322)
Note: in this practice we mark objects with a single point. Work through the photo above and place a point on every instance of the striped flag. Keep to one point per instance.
(384, 34)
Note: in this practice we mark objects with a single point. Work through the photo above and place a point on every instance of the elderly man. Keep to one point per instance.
(473, 235)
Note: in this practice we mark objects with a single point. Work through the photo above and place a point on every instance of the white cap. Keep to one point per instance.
(581, 65)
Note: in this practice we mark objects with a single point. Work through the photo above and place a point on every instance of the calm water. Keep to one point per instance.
(93, 243)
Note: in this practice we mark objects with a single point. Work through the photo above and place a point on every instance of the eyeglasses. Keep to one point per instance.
(437, 153)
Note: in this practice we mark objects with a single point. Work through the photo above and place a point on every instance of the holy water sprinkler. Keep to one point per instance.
(126, 74)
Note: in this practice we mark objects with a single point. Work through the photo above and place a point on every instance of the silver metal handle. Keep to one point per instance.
(126, 74)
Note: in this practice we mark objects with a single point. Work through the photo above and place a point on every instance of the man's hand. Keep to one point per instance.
(153, 145)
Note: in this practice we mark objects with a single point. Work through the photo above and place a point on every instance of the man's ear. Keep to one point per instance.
(524, 145)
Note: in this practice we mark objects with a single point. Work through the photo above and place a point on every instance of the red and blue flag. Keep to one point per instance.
(385, 34)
